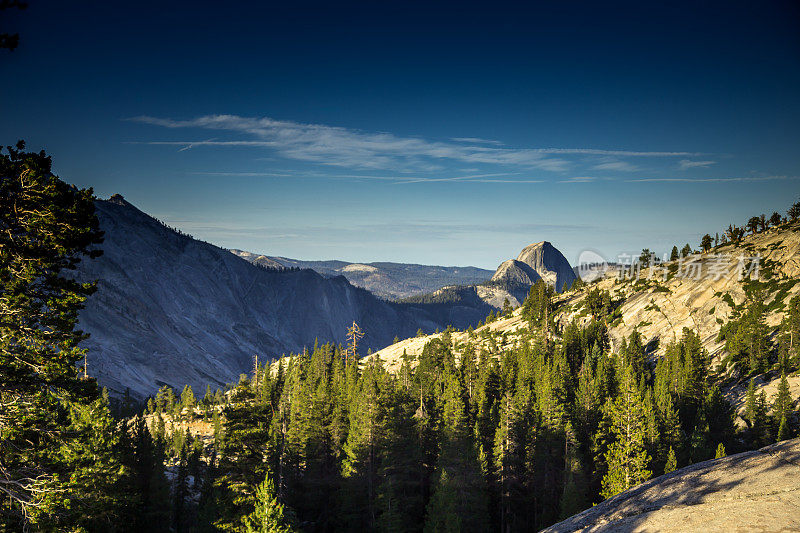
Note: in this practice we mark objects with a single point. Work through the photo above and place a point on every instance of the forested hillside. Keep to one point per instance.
(513, 426)
(485, 429)
(536, 414)
(539, 413)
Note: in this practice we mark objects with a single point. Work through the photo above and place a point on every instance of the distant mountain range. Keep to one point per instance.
(392, 281)
(170, 309)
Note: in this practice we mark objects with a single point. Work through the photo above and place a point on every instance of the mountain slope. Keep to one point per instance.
(171, 309)
(394, 281)
(701, 292)
(751, 491)
(659, 310)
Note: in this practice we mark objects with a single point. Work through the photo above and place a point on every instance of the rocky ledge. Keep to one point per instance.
(751, 491)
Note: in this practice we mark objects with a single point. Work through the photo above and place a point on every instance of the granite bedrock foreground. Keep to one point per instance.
(752, 491)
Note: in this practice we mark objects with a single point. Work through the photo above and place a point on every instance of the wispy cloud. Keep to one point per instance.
(469, 178)
(331, 145)
(475, 140)
(579, 179)
(616, 165)
(714, 180)
(686, 164)
(620, 153)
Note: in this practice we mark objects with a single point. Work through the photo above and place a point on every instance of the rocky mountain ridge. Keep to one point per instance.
(392, 281)
(170, 309)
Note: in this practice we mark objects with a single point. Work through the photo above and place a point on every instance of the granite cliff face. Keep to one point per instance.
(175, 310)
(514, 277)
(549, 264)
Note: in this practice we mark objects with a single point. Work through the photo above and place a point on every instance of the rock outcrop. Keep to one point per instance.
(549, 263)
(513, 278)
(516, 272)
(540, 260)
(261, 260)
(751, 491)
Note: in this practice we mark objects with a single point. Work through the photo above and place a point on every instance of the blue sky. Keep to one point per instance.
(417, 132)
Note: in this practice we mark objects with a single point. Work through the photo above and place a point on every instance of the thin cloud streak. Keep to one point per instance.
(337, 146)
(712, 180)
(686, 164)
(487, 178)
(474, 140)
(579, 179)
(619, 166)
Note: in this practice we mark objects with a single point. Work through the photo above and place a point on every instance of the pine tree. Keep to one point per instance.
(187, 398)
(242, 461)
(146, 488)
(338, 427)
(93, 467)
(45, 435)
(574, 495)
(783, 429)
(588, 401)
(269, 515)
(361, 451)
(671, 436)
(165, 399)
(458, 502)
(627, 457)
(632, 354)
(706, 242)
(759, 344)
(699, 442)
(750, 403)
(208, 399)
(672, 461)
(180, 490)
(760, 430)
(720, 453)
(794, 212)
(792, 328)
(308, 440)
(782, 407)
(720, 415)
(401, 489)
